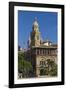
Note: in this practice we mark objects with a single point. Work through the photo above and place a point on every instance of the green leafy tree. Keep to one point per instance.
(52, 66)
(24, 66)
(49, 69)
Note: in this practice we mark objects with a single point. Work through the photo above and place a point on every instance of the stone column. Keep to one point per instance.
(37, 72)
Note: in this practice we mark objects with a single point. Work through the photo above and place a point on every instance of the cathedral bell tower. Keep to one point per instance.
(35, 34)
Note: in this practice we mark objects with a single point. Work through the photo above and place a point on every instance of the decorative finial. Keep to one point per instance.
(35, 23)
(35, 18)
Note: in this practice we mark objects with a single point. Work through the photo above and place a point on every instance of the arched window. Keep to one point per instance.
(41, 62)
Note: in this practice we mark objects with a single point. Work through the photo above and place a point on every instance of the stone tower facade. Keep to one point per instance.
(35, 34)
(41, 52)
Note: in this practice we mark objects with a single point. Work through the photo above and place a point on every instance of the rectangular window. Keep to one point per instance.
(37, 51)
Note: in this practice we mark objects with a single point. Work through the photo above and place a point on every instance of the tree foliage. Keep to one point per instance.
(51, 69)
(24, 66)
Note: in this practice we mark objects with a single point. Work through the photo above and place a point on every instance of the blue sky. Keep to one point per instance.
(47, 25)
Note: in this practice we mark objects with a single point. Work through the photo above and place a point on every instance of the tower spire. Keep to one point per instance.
(35, 18)
(35, 24)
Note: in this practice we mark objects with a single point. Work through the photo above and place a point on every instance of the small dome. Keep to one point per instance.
(35, 22)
